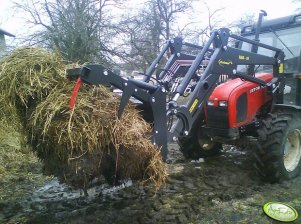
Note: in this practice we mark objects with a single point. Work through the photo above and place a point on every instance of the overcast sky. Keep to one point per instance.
(234, 10)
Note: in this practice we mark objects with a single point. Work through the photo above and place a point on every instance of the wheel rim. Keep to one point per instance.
(292, 150)
(206, 143)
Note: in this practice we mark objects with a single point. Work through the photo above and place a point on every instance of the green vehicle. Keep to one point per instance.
(285, 34)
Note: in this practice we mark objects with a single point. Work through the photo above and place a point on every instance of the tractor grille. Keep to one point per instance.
(217, 117)
(224, 78)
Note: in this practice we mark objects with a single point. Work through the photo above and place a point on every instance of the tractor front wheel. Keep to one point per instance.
(278, 151)
(198, 145)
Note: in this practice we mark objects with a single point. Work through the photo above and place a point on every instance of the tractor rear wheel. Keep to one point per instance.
(278, 150)
(198, 145)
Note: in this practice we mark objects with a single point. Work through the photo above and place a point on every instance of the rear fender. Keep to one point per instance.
(287, 107)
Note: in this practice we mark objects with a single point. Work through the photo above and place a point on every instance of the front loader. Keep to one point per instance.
(223, 103)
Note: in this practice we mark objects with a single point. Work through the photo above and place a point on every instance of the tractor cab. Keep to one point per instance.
(283, 33)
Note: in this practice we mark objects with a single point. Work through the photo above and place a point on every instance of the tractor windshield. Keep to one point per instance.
(289, 40)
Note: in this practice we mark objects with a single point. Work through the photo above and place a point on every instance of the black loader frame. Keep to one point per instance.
(223, 61)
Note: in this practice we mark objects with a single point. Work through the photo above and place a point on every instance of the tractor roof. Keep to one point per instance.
(6, 33)
(274, 24)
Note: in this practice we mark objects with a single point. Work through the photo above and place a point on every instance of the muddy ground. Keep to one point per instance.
(223, 189)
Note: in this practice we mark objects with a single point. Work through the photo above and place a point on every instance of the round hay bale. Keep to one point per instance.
(87, 142)
(91, 133)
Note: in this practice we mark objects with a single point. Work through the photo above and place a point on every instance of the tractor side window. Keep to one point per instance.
(291, 38)
(288, 40)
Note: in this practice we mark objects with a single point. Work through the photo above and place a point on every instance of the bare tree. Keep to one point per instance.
(246, 20)
(149, 28)
(168, 11)
(199, 35)
(140, 33)
(298, 5)
(80, 29)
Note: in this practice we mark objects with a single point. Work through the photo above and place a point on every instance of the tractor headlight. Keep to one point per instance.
(223, 103)
(210, 103)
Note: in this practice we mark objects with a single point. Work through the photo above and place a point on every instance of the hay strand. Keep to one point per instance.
(86, 142)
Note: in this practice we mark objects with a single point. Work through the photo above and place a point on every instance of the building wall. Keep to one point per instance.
(2, 44)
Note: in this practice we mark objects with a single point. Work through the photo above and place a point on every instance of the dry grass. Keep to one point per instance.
(86, 142)
(92, 133)
(20, 170)
(27, 75)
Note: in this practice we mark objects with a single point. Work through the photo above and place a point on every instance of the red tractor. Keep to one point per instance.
(233, 94)
(240, 108)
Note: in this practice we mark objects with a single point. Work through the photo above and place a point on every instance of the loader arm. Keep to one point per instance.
(223, 60)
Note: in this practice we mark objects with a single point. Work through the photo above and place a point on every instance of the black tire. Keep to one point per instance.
(198, 145)
(278, 149)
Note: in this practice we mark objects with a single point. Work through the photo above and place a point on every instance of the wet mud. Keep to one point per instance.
(222, 189)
